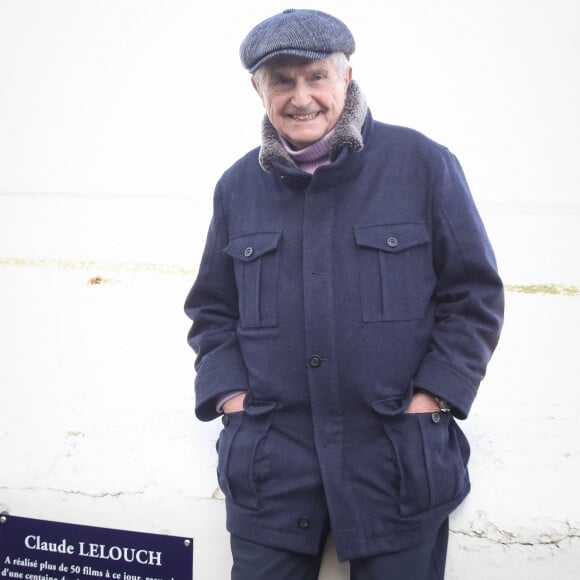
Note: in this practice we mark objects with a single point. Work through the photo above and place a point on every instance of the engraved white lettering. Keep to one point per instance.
(118, 553)
(37, 543)
(88, 571)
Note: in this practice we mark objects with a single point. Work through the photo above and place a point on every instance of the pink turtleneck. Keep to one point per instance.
(312, 157)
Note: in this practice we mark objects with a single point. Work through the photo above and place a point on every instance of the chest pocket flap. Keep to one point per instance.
(256, 263)
(396, 271)
(393, 237)
(250, 247)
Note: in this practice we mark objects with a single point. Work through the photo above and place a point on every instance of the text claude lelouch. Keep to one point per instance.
(93, 550)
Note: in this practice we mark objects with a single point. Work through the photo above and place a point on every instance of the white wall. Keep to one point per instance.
(123, 96)
(117, 117)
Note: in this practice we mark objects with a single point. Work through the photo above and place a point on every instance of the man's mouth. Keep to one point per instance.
(307, 117)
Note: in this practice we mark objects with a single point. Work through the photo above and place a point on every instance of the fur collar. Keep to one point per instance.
(347, 132)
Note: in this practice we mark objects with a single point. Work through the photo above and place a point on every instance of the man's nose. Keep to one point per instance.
(301, 96)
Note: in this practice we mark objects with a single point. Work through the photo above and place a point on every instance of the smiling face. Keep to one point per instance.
(303, 98)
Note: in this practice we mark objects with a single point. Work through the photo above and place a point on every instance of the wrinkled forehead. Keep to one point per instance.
(287, 61)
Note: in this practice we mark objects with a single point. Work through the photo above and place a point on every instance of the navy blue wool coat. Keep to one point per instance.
(330, 298)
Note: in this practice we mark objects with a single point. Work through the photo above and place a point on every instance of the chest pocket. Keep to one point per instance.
(256, 262)
(396, 271)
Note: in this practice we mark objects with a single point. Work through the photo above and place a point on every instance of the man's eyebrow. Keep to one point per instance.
(278, 74)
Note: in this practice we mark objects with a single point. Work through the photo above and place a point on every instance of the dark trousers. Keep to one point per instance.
(425, 562)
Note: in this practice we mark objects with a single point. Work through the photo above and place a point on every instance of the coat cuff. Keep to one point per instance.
(211, 387)
(442, 381)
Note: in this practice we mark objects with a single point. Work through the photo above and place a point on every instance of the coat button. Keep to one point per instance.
(392, 242)
(248, 252)
(315, 361)
(225, 420)
(435, 417)
(303, 523)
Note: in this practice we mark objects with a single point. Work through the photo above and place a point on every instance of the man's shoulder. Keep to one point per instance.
(407, 136)
(246, 166)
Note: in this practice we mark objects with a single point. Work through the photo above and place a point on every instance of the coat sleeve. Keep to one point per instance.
(469, 293)
(212, 305)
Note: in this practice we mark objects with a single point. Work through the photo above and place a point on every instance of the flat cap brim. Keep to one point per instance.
(309, 34)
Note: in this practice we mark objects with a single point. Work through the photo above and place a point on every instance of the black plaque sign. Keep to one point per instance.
(33, 549)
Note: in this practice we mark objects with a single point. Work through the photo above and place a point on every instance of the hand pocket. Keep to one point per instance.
(242, 461)
(432, 454)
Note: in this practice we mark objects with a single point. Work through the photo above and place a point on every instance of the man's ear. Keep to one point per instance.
(348, 75)
(256, 86)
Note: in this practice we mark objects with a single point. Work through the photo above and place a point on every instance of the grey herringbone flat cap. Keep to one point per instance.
(308, 33)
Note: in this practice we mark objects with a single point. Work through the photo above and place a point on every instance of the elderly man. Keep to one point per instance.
(346, 307)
